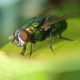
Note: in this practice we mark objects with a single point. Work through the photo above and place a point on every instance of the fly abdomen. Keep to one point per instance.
(59, 27)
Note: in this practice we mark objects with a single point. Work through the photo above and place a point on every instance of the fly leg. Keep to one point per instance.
(51, 39)
(23, 50)
(31, 49)
(61, 37)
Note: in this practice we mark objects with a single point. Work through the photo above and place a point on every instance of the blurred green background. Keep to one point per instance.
(63, 64)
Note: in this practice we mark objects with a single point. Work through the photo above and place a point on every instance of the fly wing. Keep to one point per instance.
(53, 20)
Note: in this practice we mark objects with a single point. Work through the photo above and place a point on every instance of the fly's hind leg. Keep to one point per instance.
(61, 37)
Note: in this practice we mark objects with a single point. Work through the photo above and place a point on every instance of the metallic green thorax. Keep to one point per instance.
(36, 24)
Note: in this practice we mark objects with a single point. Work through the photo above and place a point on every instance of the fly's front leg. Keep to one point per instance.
(30, 48)
(23, 50)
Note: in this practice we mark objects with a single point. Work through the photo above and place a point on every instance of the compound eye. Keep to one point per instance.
(24, 35)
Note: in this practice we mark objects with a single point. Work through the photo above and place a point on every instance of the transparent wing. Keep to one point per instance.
(53, 20)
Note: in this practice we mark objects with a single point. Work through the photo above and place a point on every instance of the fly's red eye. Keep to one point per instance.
(24, 35)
